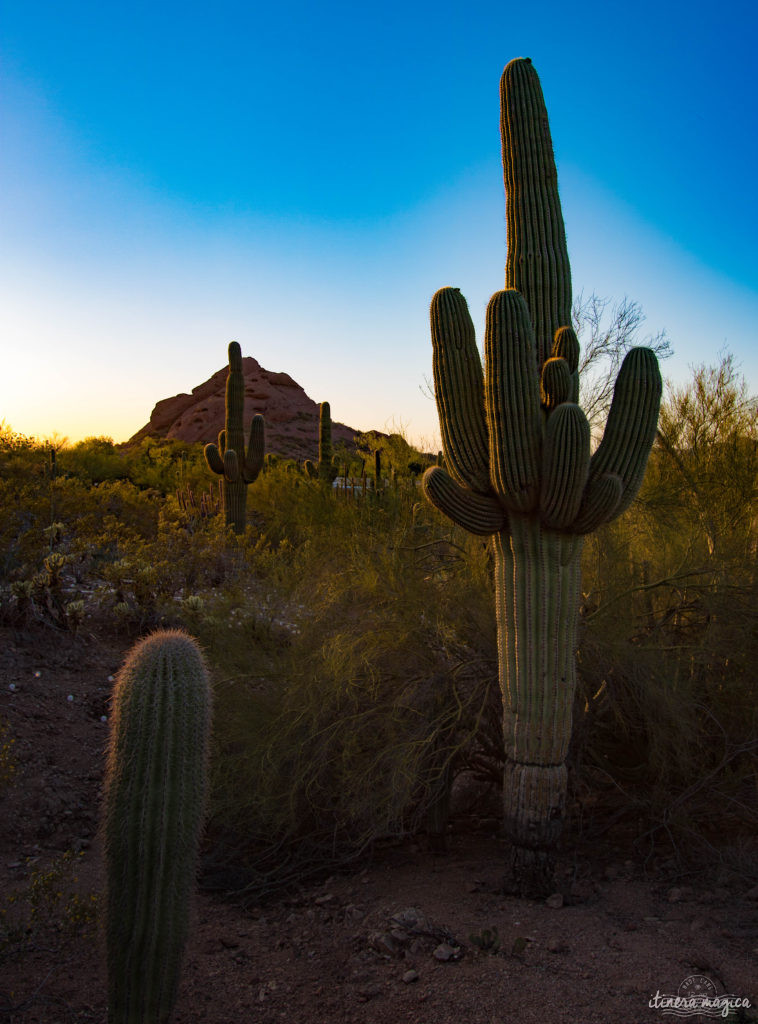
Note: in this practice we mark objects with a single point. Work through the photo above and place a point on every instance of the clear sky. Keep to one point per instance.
(302, 177)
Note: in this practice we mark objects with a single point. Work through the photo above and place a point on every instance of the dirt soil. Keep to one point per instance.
(389, 942)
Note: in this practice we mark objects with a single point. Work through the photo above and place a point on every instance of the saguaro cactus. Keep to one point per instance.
(236, 466)
(154, 805)
(326, 470)
(518, 469)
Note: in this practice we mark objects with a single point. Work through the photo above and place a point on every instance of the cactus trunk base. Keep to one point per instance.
(530, 874)
(535, 804)
(537, 588)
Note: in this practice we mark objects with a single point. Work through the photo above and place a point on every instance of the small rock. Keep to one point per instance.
(410, 976)
(555, 901)
(328, 897)
(368, 992)
(411, 919)
(353, 914)
(445, 952)
(674, 895)
(556, 945)
(382, 942)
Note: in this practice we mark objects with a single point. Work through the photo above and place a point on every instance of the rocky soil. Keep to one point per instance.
(406, 936)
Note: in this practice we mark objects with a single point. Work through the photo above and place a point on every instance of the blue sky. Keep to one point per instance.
(303, 177)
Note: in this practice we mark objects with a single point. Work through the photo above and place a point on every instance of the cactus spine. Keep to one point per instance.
(154, 806)
(236, 465)
(518, 469)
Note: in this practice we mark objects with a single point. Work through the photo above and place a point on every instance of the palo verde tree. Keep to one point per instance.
(519, 470)
(236, 466)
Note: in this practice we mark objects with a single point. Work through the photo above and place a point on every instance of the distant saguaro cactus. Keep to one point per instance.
(236, 466)
(518, 469)
(156, 781)
(326, 470)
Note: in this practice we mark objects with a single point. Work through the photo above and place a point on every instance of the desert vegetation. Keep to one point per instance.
(352, 639)
(359, 668)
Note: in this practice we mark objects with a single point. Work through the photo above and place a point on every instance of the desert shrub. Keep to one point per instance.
(340, 731)
(668, 712)
(95, 460)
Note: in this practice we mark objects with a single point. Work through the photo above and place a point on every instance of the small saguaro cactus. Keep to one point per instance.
(326, 470)
(236, 465)
(518, 469)
(155, 792)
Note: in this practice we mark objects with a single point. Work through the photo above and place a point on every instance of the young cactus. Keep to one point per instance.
(236, 466)
(155, 790)
(518, 469)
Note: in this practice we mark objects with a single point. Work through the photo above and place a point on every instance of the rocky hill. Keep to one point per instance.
(291, 416)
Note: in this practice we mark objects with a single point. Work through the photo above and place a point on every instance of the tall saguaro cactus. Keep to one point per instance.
(519, 470)
(236, 466)
(154, 806)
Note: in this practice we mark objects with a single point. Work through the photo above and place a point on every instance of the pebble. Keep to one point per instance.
(555, 901)
(445, 952)
(410, 976)
(383, 943)
(556, 945)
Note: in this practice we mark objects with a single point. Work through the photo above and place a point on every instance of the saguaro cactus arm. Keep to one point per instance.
(631, 425)
(477, 513)
(255, 453)
(512, 401)
(565, 466)
(459, 391)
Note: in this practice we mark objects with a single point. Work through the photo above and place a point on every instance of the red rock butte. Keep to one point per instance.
(291, 416)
